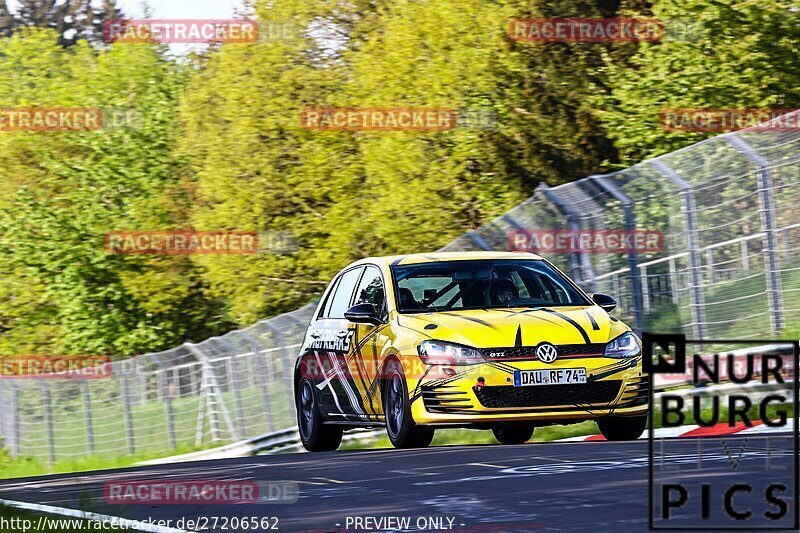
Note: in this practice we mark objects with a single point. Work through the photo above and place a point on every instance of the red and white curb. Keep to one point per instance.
(718, 430)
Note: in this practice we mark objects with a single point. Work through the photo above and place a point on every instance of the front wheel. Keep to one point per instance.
(622, 427)
(315, 436)
(513, 434)
(400, 427)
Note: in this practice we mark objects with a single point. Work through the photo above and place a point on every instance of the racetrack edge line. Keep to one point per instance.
(86, 515)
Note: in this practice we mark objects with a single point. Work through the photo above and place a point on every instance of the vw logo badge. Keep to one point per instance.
(546, 353)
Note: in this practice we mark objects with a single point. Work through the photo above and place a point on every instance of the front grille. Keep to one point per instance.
(565, 351)
(595, 392)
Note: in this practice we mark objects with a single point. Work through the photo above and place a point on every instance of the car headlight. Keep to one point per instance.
(626, 345)
(446, 353)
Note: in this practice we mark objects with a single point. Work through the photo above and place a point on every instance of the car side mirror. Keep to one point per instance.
(363, 314)
(605, 301)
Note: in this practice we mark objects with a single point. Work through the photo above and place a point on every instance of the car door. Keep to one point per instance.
(368, 343)
(331, 342)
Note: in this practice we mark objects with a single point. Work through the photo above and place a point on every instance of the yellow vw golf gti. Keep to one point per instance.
(501, 341)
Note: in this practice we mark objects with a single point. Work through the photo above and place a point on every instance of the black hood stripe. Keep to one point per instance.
(595, 325)
(577, 326)
(536, 317)
(472, 319)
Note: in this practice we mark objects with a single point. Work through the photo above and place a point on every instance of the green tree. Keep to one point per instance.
(554, 132)
(71, 19)
(64, 191)
(257, 170)
(352, 194)
(725, 54)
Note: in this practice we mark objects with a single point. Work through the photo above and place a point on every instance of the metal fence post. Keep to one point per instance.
(166, 387)
(479, 241)
(673, 281)
(689, 208)
(639, 301)
(770, 248)
(47, 405)
(87, 417)
(127, 415)
(214, 392)
(710, 263)
(9, 416)
(645, 289)
(15, 425)
(234, 385)
(202, 405)
(167, 383)
(511, 221)
(745, 258)
(5, 417)
(286, 360)
(787, 245)
(575, 269)
(262, 373)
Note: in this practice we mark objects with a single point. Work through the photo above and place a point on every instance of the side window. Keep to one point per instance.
(370, 290)
(326, 308)
(344, 293)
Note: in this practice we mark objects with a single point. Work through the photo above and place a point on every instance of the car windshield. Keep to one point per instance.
(492, 284)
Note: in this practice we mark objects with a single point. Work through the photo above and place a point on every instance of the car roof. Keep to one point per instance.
(412, 259)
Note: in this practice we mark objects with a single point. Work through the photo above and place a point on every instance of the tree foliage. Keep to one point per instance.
(72, 20)
(218, 145)
(724, 54)
(64, 191)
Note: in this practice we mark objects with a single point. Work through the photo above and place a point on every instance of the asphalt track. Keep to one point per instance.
(559, 486)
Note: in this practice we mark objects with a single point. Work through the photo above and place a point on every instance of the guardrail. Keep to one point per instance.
(224, 390)
(288, 439)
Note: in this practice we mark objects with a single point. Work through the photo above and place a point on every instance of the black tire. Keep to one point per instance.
(400, 426)
(616, 428)
(315, 436)
(513, 434)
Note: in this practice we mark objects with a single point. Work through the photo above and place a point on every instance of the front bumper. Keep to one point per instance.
(613, 386)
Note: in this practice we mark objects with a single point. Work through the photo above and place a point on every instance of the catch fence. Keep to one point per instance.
(729, 268)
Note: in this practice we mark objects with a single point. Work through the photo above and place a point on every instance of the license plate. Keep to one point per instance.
(556, 376)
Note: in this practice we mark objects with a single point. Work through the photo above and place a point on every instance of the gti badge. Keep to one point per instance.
(497, 354)
(546, 353)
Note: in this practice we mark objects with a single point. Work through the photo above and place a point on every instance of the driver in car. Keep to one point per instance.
(503, 290)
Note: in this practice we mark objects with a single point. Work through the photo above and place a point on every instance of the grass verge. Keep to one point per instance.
(32, 466)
